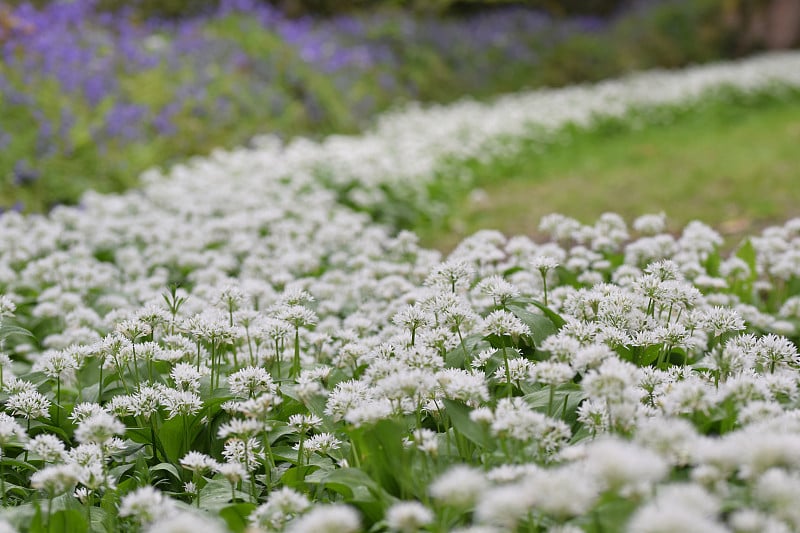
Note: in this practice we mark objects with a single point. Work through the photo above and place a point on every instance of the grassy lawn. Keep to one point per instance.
(734, 165)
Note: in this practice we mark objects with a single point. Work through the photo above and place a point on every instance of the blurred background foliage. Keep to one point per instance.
(178, 8)
(93, 92)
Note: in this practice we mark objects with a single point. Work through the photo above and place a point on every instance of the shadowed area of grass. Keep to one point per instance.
(732, 163)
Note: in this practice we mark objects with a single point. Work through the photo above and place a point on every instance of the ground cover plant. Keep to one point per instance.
(234, 346)
(89, 99)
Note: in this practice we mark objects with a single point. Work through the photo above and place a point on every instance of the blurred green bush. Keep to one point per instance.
(177, 8)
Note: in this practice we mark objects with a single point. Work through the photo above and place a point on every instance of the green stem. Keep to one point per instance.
(195, 476)
(3, 479)
(185, 433)
(544, 285)
(296, 360)
(300, 449)
(153, 438)
(58, 401)
(100, 385)
(135, 365)
(508, 371)
(463, 347)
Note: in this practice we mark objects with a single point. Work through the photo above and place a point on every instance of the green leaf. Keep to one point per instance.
(352, 483)
(382, 455)
(295, 476)
(541, 326)
(217, 494)
(170, 436)
(473, 343)
(459, 416)
(649, 355)
(236, 516)
(167, 467)
(554, 317)
(569, 393)
(7, 330)
(68, 521)
(747, 253)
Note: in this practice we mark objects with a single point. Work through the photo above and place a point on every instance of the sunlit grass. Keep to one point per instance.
(733, 165)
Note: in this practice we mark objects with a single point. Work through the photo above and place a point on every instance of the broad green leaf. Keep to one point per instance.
(565, 401)
(167, 467)
(352, 483)
(459, 416)
(6, 330)
(649, 355)
(68, 521)
(382, 455)
(541, 325)
(557, 320)
(217, 494)
(236, 516)
(747, 253)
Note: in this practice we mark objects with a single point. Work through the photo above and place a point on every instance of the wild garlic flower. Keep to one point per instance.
(330, 518)
(408, 516)
(246, 452)
(7, 306)
(98, 428)
(48, 447)
(451, 275)
(145, 505)
(502, 323)
(56, 479)
(133, 330)
(282, 506)
(499, 289)
(11, 432)
(56, 364)
(185, 522)
(198, 462)
(461, 486)
(241, 428)
(180, 403)
(234, 472)
(28, 404)
(251, 381)
(304, 422)
(187, 377)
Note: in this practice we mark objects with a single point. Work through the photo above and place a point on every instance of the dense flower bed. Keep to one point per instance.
(231, 346)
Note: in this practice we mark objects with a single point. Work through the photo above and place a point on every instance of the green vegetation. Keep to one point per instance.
(732, 163)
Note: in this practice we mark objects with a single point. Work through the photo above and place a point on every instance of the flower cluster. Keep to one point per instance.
(232, 340)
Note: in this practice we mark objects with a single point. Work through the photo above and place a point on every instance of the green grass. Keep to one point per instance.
(733, 163)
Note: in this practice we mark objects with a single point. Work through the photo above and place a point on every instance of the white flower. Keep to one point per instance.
(98, 428)
(333, 518)
(408, 516)
(10, 431)
(180, 403)
(185, 522)
(145, 505)
(322, 443)
(250, 382)
(28, 404)
(56, 479)
(502, 323)
(461, 486)
(282, 505)
(234, 472)
(47, 446)
(198, 462)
